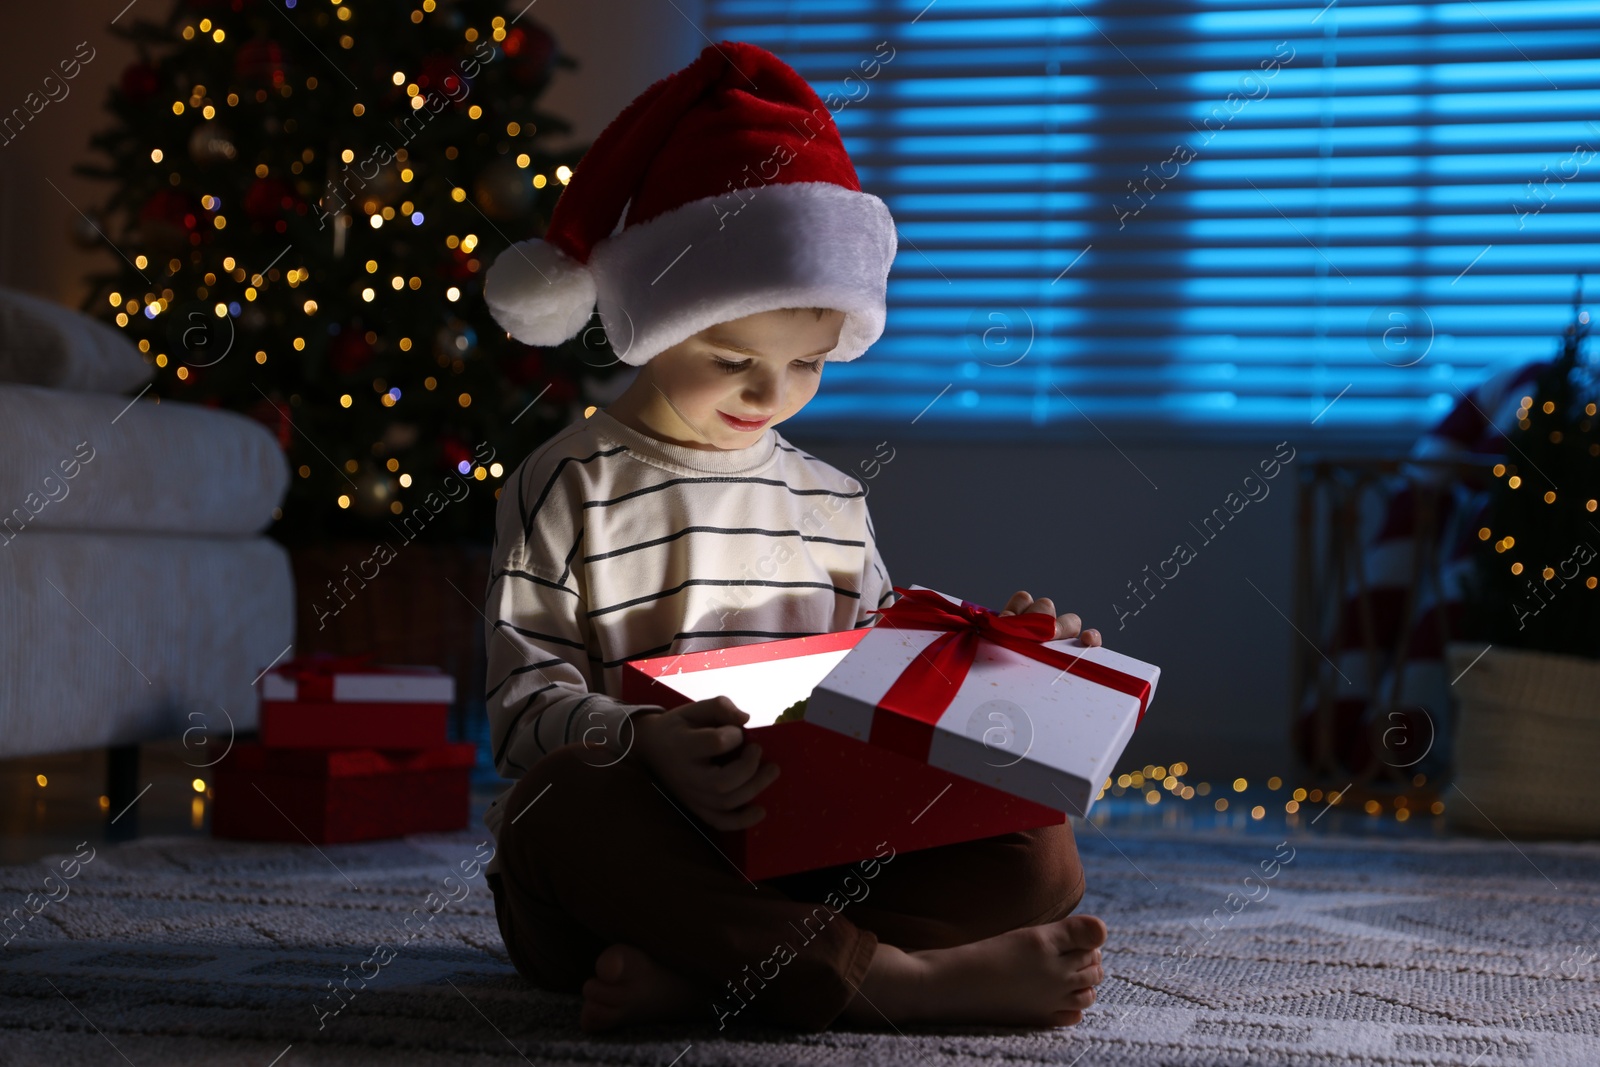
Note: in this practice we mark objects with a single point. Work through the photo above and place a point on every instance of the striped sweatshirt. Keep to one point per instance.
(611, 546)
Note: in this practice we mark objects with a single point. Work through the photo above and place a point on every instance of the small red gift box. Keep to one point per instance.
(327, 725)
(837, 799)
(328, 797)
(326, 702)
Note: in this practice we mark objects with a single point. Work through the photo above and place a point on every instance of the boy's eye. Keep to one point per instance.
(814, 365)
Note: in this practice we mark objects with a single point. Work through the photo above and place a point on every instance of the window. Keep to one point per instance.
(1193, 219)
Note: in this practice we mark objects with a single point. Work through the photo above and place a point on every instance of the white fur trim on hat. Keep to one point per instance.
(793, 244)
(538, 293)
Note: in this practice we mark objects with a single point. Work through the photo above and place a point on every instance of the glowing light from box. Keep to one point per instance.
(761, 689)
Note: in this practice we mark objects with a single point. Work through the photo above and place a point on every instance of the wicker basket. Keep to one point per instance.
(1527, 733)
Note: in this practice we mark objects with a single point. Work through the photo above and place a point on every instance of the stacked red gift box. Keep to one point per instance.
(349, 750)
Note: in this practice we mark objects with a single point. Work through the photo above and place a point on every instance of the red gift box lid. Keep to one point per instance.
(324, 677)
(349, 762)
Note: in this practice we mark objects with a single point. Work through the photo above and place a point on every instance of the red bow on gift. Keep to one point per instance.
(925, 689)
(313, 675)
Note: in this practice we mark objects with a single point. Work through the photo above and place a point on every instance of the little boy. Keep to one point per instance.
(678, 519)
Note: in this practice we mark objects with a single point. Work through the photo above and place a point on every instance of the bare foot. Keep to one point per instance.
(629, 987)
(1033, 976)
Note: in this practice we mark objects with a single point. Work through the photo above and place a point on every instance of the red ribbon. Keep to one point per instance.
(313, 675)
(928, 685)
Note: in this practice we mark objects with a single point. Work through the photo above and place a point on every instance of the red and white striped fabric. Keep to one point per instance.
(1383, 723)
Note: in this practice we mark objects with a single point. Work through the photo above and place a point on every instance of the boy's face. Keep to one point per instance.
(762, 368)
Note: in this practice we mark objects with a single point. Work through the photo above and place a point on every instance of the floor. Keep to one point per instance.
(1387, 939)
(1227, 948)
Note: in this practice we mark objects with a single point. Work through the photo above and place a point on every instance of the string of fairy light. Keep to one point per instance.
(1157, 782)
(1143, 782)
(1514, 481)
(199, 104)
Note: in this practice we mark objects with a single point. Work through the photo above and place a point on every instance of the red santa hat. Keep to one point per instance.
(721, 191)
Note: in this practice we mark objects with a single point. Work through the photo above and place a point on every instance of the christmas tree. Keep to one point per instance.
(1536, 571)
(307, 197)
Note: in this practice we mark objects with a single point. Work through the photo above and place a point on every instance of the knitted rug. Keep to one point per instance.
(1223, 950)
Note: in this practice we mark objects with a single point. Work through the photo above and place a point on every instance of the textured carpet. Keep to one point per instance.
(178, 952)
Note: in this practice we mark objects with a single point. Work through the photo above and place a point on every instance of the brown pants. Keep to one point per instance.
(604, 857)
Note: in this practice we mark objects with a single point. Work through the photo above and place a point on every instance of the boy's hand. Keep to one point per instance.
(1068, 625)
(684, 747)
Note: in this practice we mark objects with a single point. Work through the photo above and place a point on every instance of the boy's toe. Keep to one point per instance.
(1083, 932)
(611, 964)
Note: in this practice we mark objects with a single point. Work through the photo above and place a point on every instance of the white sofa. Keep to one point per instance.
(139, 599)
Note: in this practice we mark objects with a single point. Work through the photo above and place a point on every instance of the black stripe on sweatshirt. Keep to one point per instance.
(511, 729)
(723, 582)
(528, 517)
(510, 572)
(537, 636)
(522, 670)
(725, 479)
(566, 566)
(781, 443)
(566, 731)
(722, 530)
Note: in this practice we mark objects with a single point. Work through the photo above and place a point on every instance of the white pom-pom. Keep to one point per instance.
(538, 293)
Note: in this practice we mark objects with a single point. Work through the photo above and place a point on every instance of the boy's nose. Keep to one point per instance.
(764, 398)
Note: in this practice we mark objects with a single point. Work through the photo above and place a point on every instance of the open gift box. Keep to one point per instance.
(856, 775)
(837, 799)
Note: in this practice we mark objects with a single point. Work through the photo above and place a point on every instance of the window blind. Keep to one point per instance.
(1188, 218)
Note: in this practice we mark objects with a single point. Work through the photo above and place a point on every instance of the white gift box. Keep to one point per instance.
(1031, 729)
